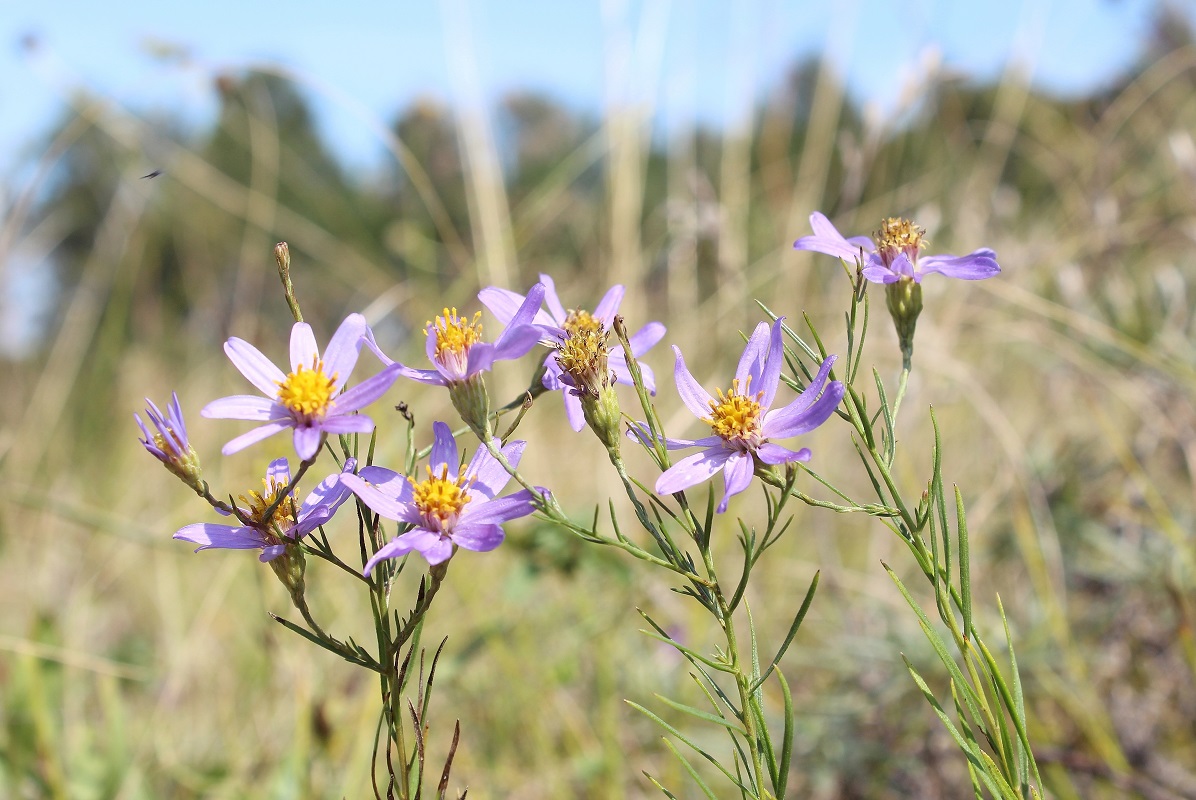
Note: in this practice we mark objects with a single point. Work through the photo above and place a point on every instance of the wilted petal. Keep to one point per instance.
(771, 375)
(573, 411)
(753, 360)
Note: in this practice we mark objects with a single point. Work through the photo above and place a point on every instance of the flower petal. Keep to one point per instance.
(307, 440)
(556, 309)
(488, 476)
(693, 470)
(875, 271)
(805, 399)
(278, 471)
(754, 360)
(646, 338)
(304, 350)
(800, 416)
(347, 423)
(259, 370)
(384, 503)
(367, 391)
(974, 266)
(696, 399)
(514, 343)
(608, 306)
(245, 406)
(736, 477)
(343, 349)
(209, 535)
(392, 549)
(444, 450)
(827, 239)
(573, 412)
(480, 537)
(771, 453)
(771, 374)
(254, 436)
(503, 509)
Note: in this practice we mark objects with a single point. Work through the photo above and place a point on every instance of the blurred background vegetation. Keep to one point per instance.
(132, 668)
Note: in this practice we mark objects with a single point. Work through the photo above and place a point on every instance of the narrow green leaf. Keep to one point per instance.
(987, 771)
(782, 782)
(658, 785)
(793, 628)
(684, 740)
(940, 648)
(700, 714)
(965, 564)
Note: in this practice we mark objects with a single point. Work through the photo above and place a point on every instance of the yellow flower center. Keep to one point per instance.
(583, 356)
(258, 503)
(439, 499)
(456, 334)
(896, 236)
(308, 391)
(736, 416)
(580, 321)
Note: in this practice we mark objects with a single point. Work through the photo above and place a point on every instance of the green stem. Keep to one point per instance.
(900, 393)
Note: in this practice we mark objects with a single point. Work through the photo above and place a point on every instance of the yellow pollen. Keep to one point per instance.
(898, 235)
(308, 391)
(456, 334)
(438, 497)
(580, 321)
(735, 416)
(583, 356)
(258, 502)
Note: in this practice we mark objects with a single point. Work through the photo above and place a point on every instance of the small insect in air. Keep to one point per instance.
(153, 174)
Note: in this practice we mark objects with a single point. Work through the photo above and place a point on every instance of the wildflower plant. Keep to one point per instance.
(784, 387)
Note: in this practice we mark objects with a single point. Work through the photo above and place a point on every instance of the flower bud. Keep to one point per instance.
(472, 402)
(904, 298)
(289, 568)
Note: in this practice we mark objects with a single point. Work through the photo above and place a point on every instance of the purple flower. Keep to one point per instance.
(895, 253)
(743, 424)
(169, 444)
(456, 349)
(287, 524)
(310, 399)
(557, 325)
(449, 508)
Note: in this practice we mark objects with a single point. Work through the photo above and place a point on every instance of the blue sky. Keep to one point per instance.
(687, 61)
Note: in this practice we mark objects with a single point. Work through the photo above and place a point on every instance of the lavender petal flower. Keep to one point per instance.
(742, 418)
